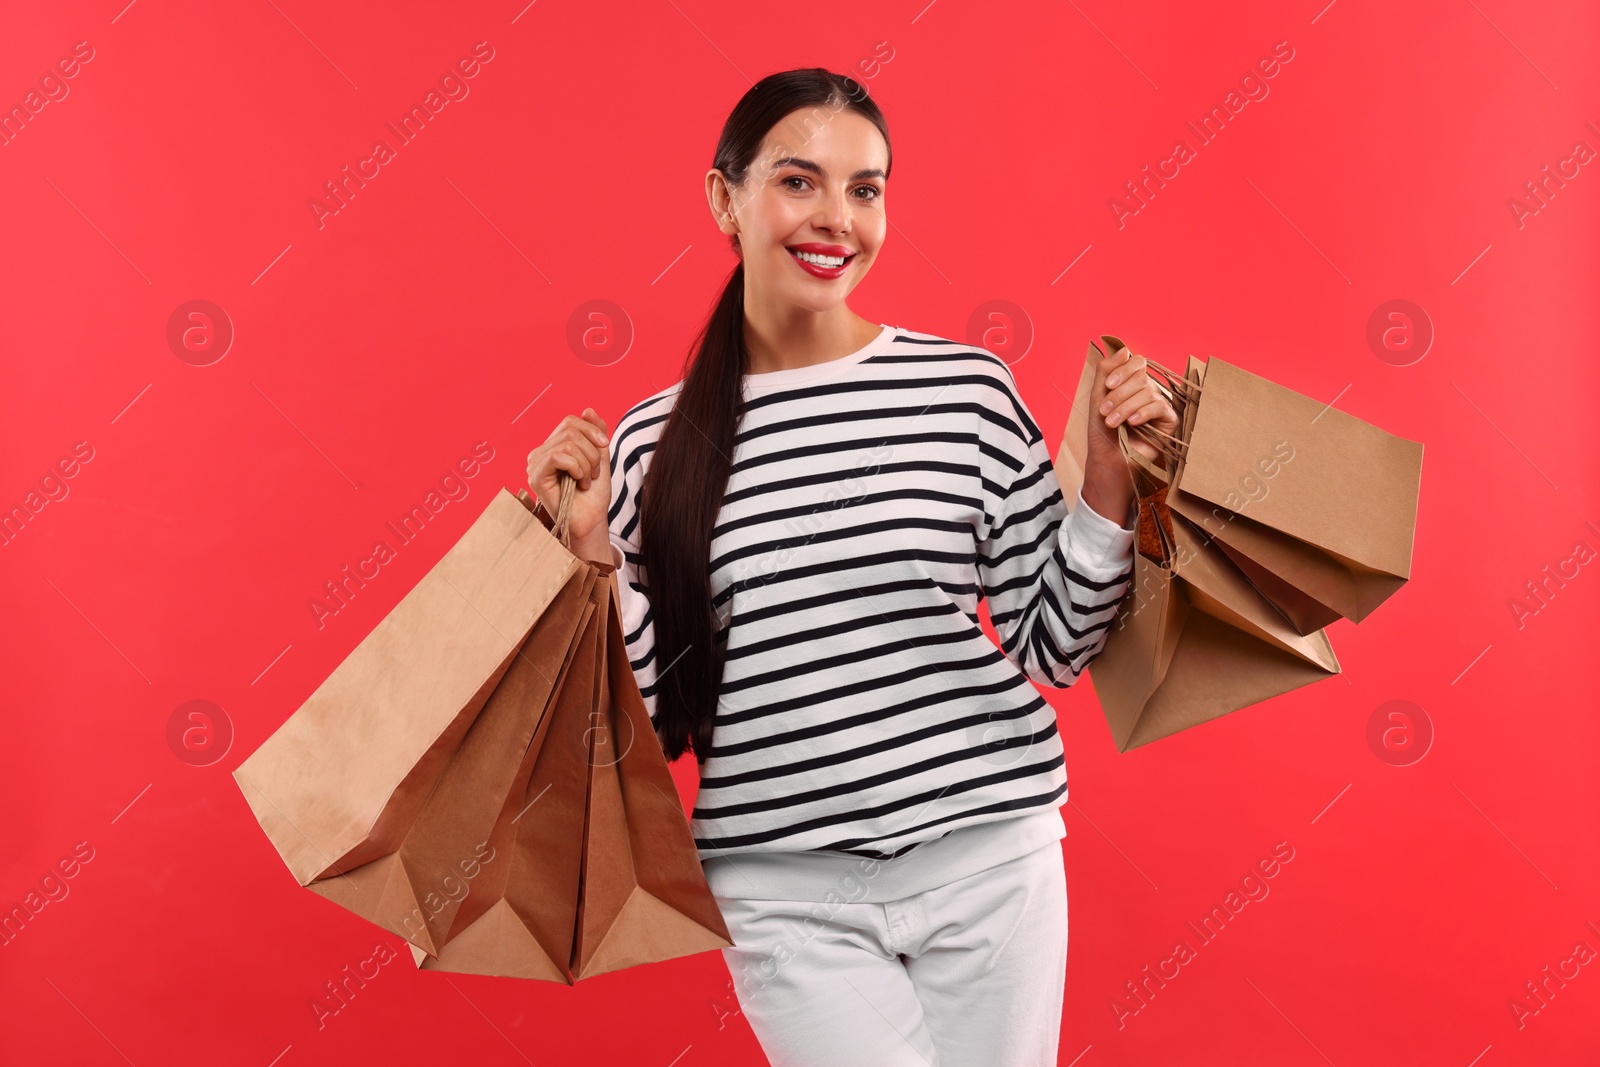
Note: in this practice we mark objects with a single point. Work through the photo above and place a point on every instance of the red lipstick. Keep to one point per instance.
(816, 251)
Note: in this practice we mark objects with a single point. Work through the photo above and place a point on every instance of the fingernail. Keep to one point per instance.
(1111, 380)
(1105, 408)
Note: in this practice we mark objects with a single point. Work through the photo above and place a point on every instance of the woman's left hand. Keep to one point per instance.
(1122, 390)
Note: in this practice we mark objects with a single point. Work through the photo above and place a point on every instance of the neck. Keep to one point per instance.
(790, 337)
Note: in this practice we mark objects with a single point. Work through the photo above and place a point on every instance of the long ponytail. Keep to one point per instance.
(683, 489)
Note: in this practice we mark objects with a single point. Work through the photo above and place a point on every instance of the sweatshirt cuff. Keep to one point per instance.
(1098, 544)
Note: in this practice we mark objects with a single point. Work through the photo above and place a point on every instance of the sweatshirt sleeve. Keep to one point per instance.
(1052, 577)
(638, 628)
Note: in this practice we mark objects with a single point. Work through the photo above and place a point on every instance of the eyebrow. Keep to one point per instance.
(806, 164)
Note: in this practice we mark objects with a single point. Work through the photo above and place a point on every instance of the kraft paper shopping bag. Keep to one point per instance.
(1193, 639)
(343, 780)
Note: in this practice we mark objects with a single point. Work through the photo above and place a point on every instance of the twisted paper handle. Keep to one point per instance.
(561, 521)
(1180, 392)
(568, 486)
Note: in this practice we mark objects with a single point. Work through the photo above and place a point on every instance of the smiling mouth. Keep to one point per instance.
(825, 262)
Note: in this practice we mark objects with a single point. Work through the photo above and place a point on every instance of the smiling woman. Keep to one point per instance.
(804, 530)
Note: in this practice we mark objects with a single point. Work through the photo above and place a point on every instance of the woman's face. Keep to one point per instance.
(812, 196)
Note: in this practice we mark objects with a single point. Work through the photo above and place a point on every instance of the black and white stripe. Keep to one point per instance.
(874, 501)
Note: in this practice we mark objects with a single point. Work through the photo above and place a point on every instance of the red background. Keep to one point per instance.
(431, 312)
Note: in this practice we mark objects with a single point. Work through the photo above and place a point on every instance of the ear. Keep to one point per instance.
(719, 197)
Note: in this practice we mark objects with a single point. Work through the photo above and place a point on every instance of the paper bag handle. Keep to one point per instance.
(561, 521)
(563, 518)
(1179, 392)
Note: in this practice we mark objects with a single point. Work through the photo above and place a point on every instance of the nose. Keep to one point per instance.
(833, 213)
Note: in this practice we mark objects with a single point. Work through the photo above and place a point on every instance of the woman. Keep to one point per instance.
(802, 529)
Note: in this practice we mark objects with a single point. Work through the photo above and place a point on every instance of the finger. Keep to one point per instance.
(580, 425)
(581, 445)
(1131, 404)
(1127, 370)
(1112, 360)
(1136, 386)
(1150, 412)
(565, 461)
(596, 427)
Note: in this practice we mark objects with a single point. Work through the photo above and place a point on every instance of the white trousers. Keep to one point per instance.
(967, 974)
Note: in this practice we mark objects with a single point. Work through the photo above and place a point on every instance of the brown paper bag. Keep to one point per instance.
(645, 896)
(417, 890)
(600, 871)
(1317, 507)
(344, 779)
(520, 919)
(1193, 639)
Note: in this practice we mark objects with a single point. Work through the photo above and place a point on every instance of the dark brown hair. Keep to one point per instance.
(682, 491)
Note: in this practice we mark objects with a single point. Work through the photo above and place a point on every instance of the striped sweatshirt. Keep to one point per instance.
(874, 502)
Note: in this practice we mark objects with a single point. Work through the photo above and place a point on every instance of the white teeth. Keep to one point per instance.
(821, 261)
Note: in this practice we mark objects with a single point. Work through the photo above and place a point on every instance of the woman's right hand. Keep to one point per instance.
(577, 446)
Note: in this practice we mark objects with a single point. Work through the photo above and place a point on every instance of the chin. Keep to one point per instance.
(818, 303)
